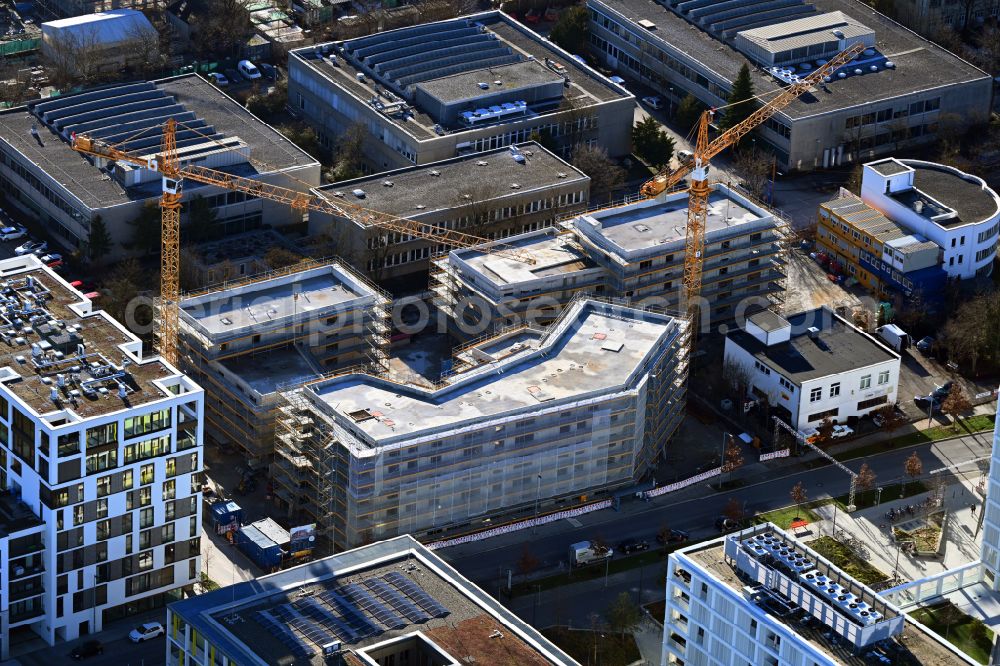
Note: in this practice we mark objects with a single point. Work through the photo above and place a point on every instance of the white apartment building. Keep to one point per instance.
(100, 465)
(955, 210)
(814, 365)
(525, 420)
(990, 545)
(761, 597)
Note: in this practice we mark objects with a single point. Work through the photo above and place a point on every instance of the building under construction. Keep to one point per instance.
(633, 252)
(249, 340)
(525, 422)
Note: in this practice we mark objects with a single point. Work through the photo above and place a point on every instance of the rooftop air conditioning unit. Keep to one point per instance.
(813, 332)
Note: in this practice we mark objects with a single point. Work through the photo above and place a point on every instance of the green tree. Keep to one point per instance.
(268, 106)
(572, 30)
(741, 102)
(688, 112)
(651, 143)
(146, 229)
(623, 615)
(98, 240)
(302, 136)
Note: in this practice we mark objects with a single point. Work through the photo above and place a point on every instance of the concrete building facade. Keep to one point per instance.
(45, 179)
(100, 465)
(102, 43)
(438, 90)
(392, 602)
(494, 194)
(686, 47)
(762, 597)
(813, 366)
(525, 420)
(633, 252)
(250, 340)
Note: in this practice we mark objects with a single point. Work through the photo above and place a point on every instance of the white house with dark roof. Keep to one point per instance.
(814, 365)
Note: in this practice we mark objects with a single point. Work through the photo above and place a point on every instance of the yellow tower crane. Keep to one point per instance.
(704, 151)
(167, 163)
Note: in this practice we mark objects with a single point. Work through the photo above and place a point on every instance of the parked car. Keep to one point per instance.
(233, 76)
(878, 418)
(840, 431)
(924, 344)
(653, 102)
(633, 546)
(685, 156)
(12, 233)
(724, 524)
(672, 536)
(52, 260)
(145, 632)
(248, 70)
(943, 390)
(31, 247)
(928, 402)
(219, 79)
(811, 435)
(268, 71)
(617, 79)
(88, 649)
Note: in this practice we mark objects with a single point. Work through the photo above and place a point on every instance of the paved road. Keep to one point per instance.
(694, 509)
(118, 651)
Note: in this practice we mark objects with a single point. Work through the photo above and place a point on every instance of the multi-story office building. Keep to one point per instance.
(634, 252)
(433, 91)
(892, 96)
(762, 597)
(100, 464)
(392, 602)
(955, 210)
(45, 179)
(526, 420)
(814, 365)
(494, 194)
(930, 17)
(883, 256)
(250, 340)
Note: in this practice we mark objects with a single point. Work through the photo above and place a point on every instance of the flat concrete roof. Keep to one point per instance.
(442, 186)
(361, 598)
(554, 254)
(638, 227)
(269, 370)
(968, 196)
(465, 86)
(838, 348)
(300, 295)
(92, 186)
(591, 348)
(920, 64)
(587, 87)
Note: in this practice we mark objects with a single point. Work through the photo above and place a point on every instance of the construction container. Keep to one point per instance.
(262, 542)
(226, 517)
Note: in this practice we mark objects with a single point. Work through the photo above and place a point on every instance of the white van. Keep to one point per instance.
(248, 70)
(685, 156)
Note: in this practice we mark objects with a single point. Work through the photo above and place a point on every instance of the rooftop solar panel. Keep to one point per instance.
(417, 594)
(372, 606)
(397, 601)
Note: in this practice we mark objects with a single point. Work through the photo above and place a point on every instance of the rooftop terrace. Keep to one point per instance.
(48, 332)
(839, 347)
(122, 111)
(421, 190)
(592, 348)
(365, 599)
(919, 64)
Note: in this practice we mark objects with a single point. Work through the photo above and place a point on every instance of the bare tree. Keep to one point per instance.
(824, 431)
(143, 49)
(891, 418)
(733, 457)
(798, 494)
(955, 404)
(348, 156)
(221, 29)
(866, 478)
(605, 175)
(913, 466)
(736, 377)
(74, 56)
(753, 167)
(734, 510)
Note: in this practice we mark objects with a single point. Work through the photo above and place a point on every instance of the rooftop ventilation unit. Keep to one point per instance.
(813, 332)
(647, 24)
(515, 186)
(435, 172)
(482, 163)
(387, 183)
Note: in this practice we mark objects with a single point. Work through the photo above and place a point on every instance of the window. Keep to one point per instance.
(104, 486)
(102, 435)
(866, 382)
(146, 518)
(146, 474)
(103, 530)
(883, 377)
(167, 533)
(145, 496)
(68, 444)
(834, 389)
(816, 394)
(98, 462)
(127, 479)
(169, 489)
(145, 560)
(102, 508)
(146, 449)
(141, 425)
(819, 416)
(762, 368)
(786, 384)
(867, 404)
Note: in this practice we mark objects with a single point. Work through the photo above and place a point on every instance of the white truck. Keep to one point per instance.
(894, 336)
(584, 553)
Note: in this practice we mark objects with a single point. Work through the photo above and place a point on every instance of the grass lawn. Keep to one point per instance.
(783, 517)
(976, 423)
(611, 648)
(844, 558)
(958, 628)
(657, 557)
(889, 493)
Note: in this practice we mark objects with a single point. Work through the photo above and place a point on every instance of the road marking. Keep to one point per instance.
(574, 522)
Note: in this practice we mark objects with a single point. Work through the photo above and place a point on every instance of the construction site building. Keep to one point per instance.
(527, 421)
(495, 194)
(250, 340)
(633, 252)
(100, 465)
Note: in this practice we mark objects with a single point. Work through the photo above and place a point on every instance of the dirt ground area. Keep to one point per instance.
(809, 288)
(422, 360)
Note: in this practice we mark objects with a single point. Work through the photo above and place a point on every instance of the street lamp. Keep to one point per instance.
(538, 494)
(670, 101)
(878, 496)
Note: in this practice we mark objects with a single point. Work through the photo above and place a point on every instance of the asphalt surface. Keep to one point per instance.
(693, 509)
